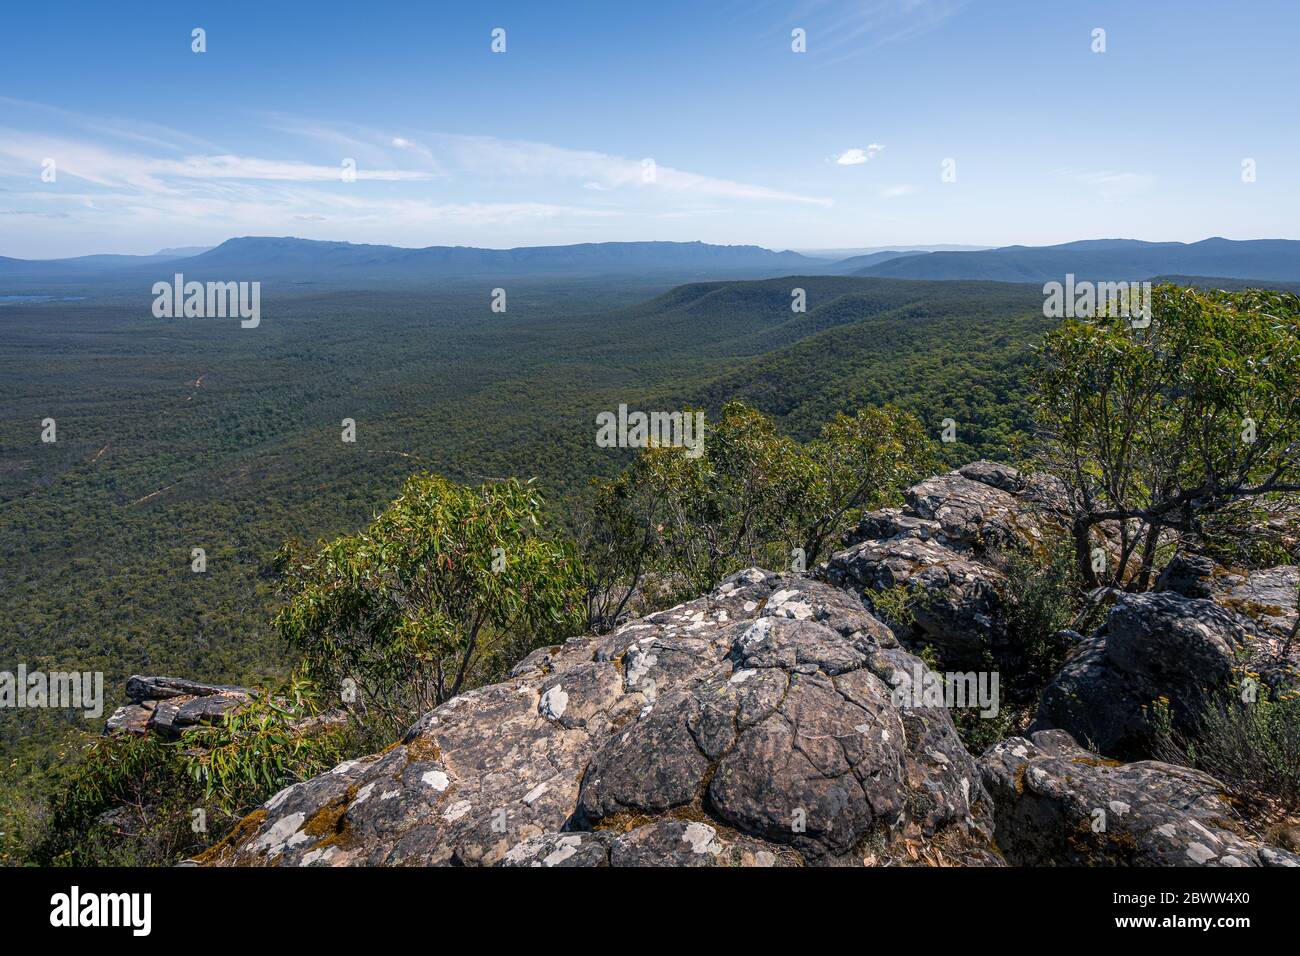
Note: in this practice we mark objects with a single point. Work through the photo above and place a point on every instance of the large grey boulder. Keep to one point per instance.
(1057, 803)
(1151, 646)
(754, 725)
(1191, 575)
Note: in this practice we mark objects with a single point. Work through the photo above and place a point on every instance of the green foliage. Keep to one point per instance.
(1251, 534)
(1254, 748)
(255, 750)
(444, 590)
(1155, 428)
(132, 800)
(858, 463)
(21, 816)
(1044, 598)
(896, 606)
(126, 801)
(754, 497)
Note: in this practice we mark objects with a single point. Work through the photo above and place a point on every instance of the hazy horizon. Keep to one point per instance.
(182, 250)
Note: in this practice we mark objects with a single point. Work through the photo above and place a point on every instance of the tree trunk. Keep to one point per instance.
(1083, 551)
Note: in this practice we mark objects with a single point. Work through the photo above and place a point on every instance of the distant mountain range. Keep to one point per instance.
(289, 261)
(306, 263)
(1116, 259)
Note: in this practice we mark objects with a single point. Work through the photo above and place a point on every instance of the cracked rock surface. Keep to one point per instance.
(753, 726)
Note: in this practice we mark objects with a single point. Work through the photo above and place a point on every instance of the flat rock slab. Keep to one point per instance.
(140, 688)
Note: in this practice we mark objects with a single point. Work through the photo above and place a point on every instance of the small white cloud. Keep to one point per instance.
(599, 187)
(893, 192)
(856, 156)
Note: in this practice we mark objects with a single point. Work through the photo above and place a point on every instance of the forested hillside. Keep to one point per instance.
(199, 434)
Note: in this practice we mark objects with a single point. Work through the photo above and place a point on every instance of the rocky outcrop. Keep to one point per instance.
(754, 726)
(1267, 598)
(1203, 628)
(767, 724)
(937, 548)
(1059, 804)
(168, 706)
(1151, 646)
(665, 842)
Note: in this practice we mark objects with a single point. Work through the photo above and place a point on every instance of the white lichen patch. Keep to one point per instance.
(279, 798)
(756, 631)
(553, 703)
(637, 664)
(536, 792)
(701, 838)
(565, 847)
(1200, 853)
(364, 794)
(456, 811)
(319, 856)
(281, 835)
(436, 779)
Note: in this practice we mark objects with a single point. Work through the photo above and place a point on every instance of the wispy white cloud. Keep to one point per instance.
(485, 157)
(857, 156)
(893, 192)
(838, 30)
(438, 185)
(110, 167)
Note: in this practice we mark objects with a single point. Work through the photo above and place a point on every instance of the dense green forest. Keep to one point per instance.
(182, 434)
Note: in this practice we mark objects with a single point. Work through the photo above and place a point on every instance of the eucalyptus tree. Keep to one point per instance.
(445, 589)
(1154, 425)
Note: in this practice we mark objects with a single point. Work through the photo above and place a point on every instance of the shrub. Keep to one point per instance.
(1252, 747)
(146, 801)
(754, 497)
(445, 589)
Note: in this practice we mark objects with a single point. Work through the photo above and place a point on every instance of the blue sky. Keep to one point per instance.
(841, 146)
